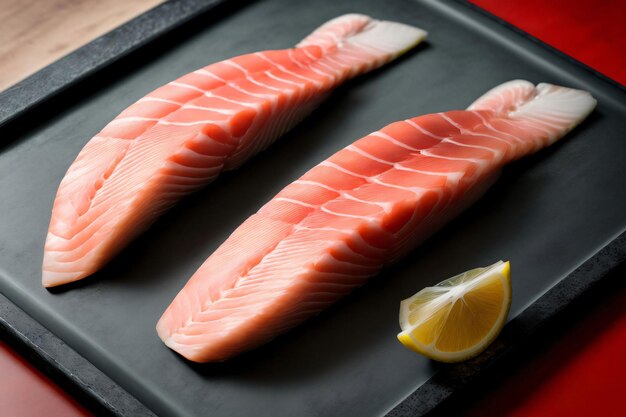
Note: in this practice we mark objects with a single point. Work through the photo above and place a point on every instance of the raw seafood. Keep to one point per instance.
(361, 209)
(181, 136)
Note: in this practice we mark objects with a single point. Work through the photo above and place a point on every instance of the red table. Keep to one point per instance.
(592, 31)
(581, 373)
(577, 370)
(26, 392)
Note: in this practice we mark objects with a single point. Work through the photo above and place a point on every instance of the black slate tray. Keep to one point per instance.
(558, 216)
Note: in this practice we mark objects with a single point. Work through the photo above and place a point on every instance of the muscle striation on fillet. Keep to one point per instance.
(356, 212)
(181, 136)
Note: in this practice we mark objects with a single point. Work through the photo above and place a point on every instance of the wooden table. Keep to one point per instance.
(35, 33)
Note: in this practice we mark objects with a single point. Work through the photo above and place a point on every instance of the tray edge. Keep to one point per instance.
(428, 398)
(538, 315)
(72, 372)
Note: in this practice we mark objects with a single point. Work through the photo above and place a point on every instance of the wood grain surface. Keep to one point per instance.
(35, 33)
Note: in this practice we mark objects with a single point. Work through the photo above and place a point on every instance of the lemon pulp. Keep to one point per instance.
(459, 317)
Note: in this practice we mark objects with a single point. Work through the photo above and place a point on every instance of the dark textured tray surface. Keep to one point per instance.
(547, 214)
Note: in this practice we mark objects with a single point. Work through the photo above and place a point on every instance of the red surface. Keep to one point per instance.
(579, 375)
(584, 374)
(26, 392)
(592, 31)
(592, 381)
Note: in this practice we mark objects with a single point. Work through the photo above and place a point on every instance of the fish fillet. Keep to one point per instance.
(181, 136)
(361, 209)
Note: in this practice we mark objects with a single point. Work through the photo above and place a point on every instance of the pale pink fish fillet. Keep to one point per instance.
(361, 209)
(181, 136)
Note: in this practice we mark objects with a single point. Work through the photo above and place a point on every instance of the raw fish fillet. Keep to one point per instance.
(361, 209)
(181, 136)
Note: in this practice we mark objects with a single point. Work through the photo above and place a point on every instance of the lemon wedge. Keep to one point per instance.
(458, 318)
